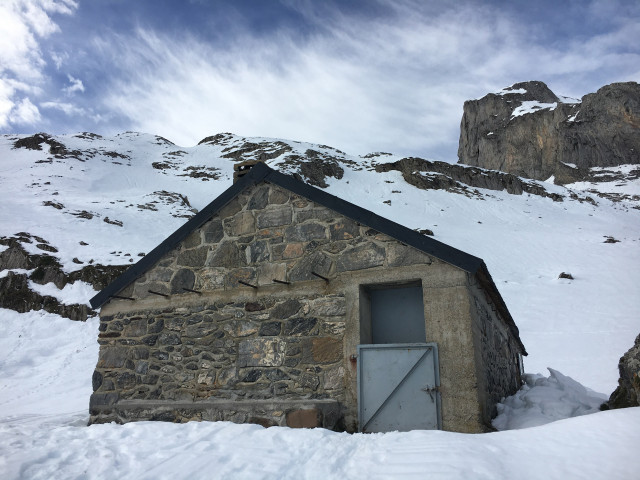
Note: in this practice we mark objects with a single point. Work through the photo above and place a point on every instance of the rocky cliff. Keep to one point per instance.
(529, 131)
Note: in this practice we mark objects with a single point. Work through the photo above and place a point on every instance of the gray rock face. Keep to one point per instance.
(628, 392)
(556, 137)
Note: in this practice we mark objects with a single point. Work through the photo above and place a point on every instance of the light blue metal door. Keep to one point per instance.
(398, 387)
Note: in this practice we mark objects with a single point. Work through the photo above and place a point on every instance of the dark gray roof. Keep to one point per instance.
(261, 172)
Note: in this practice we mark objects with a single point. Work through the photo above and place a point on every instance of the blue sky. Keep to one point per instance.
(362, 76)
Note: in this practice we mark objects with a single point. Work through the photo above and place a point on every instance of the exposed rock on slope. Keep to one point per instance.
(529, 131)
(16, 293)
(628, 392)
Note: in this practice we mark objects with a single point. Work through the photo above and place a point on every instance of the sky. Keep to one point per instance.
(361, 76)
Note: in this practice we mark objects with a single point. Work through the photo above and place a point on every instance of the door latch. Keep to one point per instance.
(430, 389)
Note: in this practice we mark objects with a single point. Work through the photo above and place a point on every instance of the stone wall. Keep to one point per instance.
(231, 351)
(497, 356)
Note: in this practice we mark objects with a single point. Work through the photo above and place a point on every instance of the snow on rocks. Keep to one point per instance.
(71, 293)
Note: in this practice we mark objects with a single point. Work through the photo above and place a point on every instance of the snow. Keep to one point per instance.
(72, 293)
(45, 382)
(17, 271)
(510, 90)
(571, 165)
(532, 106)
(569, 100)
(546, 399)
(572, 118)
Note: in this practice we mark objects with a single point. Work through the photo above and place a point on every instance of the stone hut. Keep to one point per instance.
(281, 304)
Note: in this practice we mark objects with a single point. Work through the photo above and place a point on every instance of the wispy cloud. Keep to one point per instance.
(24, 23)
(395, 82)
(75, 85)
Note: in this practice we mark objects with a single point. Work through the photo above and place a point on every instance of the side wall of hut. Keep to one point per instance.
(497, 355)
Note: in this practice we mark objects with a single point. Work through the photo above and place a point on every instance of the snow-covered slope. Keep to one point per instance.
(109, 200)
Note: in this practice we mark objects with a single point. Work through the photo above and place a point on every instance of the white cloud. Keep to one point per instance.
(76, 85)
(24, 23)
(396, 83)
(59, 58)
(24, 113)
(66, 108)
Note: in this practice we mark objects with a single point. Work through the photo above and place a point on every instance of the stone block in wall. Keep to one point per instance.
(326, 350)
(270, 329)
(318, 213)
(301, 326)
(278, 196)
(193, 258)
(193, 240)
(287, 251)
(141, 290)
(261, 352)
(334, 328)
(241, 328)
(268, 271)
(304, 418)
(231, 208)
(309, 381)
(305, 232)
(113, 357)
(159, 274)
(318, 262)
(286, 309)
(332, 379)
(211, 278)
(259, 199)
(136, 328)
(401, 256)
(367, 255)
(227, 255)
(257, 252)
(183, 278)
(345, 229)
(246, 274)
(227, 376)
(275, 217)
(213, 231)
(328, 306)
(242, 223)
(199, 330)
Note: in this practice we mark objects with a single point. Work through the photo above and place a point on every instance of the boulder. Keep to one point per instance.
(628, 392)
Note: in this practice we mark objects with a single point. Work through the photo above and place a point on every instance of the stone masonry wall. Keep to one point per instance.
(231, 351)
(498, 352)
(233, 342)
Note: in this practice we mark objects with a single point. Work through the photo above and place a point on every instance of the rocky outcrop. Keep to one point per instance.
(16, 293)
(628, 392)
(426, 174)
(529, 131)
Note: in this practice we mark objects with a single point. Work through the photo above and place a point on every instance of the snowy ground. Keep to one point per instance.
(580, 327)
(45, 382)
